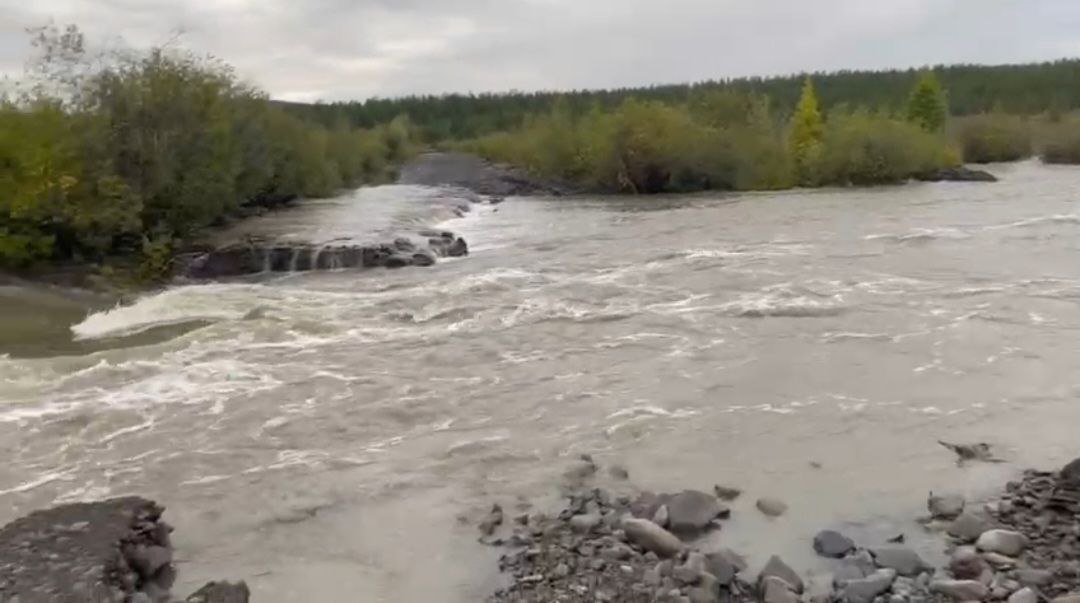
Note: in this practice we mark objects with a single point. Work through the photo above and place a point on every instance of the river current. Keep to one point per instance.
(327, 436)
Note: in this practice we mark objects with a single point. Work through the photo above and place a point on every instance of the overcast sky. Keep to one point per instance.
(355, 49)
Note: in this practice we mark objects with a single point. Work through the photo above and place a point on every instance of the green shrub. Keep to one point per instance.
(865, 149)
(993, 137)
(1063, 146)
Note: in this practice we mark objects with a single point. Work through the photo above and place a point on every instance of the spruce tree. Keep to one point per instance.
(807, 133)
(927, 106)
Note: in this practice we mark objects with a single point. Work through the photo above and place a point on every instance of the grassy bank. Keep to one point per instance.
(125, 155)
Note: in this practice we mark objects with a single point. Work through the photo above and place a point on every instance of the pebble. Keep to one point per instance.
(969, 526)
(960, 590)
(1024, 595)
(772, 506)
(692, 511)
(945, 507)
(651, 537)
(905, 561)
(829, 543)
(585, 523)
(776, 567)
(1034, 577)
(1005, 542)
(865, 590)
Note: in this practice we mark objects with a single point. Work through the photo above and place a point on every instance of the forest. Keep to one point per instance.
(128, 154)
(973, 89)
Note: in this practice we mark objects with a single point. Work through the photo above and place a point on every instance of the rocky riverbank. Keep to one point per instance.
(1023, 547)
(118, 550)
(478, 175)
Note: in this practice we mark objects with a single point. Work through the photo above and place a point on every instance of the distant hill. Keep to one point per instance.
(1020, 89)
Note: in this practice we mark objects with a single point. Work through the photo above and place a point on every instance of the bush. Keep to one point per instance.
(993, 137)
(1063, 146)
(864, 149)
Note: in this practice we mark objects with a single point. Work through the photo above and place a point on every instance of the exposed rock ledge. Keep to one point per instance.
(958, 174)
(113, 551)
(255, 257)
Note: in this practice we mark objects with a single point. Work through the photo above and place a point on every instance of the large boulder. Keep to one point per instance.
(651, 537)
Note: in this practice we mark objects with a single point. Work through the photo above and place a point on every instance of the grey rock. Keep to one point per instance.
(960, 590)
(905, 561)
(585, 523)
(998, 560)
(1024, 595)
(221, 592)
(653, 576)
(966, 564)
(692, 511)
(1005, 542)
(724, 567)
(865, 590)
(847, 573)
(1071, 598)
(777, 590)
(651, 537)
(619, 472)
(1034, 577)
(863, 560)
(771, 506)
(661, 517)
(727, 494)
(969, 526)
(776, 567)
(493, 520)
(829, 543)
(945, 507)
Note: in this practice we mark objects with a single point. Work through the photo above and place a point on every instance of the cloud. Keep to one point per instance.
(350, 49)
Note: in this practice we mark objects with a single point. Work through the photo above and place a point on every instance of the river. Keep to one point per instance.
(320, 434)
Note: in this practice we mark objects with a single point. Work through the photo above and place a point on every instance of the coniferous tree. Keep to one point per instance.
(927, 106)
(807, 132)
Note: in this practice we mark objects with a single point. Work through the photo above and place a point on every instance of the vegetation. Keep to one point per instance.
(1063, 145)
(721, 140)
(129, 153)
(993, 137)
(927, 107)
(973, 89)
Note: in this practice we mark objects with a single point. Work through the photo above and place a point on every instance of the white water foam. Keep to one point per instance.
(170, 307)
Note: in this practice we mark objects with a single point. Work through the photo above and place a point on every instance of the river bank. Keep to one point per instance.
(624, 544)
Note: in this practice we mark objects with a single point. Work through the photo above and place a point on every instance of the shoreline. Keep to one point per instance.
(1022, 546)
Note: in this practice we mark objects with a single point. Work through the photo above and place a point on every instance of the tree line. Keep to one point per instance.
(730, 140)
(129, 153)
(973, 89)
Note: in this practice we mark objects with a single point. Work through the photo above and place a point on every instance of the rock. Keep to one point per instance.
(493, 520)
(829, 543)
(619, 472)
(905, 561)
(724, 565)
(661, 518)
(847, 573)
(1073, 598)
(1034, 577)
(960, 590)
(776, 567)
(645, 505)
(861, 559)
(772, 507)
(998, 560)
(969, 526)
(585, 523)
(957, 174)
(651, 537)
(423, 259)
(727, 494)
(691, 511)
(966, 564)
(945, 507)
(777, 590)
(865, 590)
(1024, 595)
(221, 592)
(1005, 542)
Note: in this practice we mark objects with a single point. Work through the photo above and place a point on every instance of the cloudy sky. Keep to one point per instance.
(355, 49)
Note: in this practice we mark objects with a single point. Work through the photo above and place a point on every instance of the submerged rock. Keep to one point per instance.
(771, 506)
(945, 507)
(692, 511)
(958, 174)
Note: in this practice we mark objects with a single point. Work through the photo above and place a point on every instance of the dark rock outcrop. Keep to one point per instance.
(254, 257)
(958, 174)
(112, 551)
